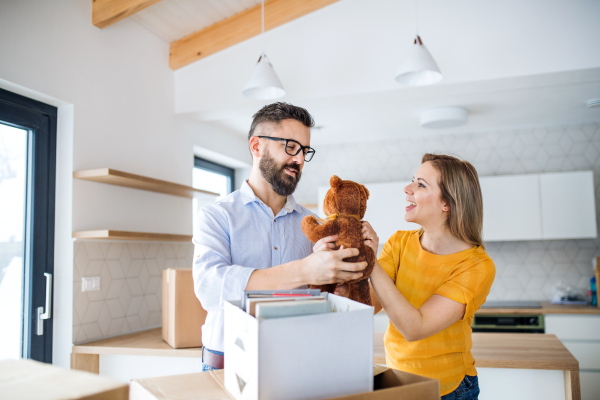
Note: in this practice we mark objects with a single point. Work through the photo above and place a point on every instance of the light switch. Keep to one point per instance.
(90, 284)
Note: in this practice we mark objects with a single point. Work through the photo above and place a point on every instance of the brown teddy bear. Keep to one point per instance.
(345, 205)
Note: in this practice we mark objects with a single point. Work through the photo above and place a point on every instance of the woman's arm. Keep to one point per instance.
(435, 315)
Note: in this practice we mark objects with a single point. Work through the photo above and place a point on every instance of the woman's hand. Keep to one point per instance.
(342, 289)
(370, 237)
(326, 243)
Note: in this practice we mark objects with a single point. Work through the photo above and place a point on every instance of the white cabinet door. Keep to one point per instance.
(568, 205)
(385, 208)
(511, 207)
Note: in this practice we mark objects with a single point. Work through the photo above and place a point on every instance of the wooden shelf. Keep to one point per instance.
(547, 308)
(120, 178)
(144, 343)
(124, 235)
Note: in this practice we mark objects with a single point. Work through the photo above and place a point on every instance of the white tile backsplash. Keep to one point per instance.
(130, 298)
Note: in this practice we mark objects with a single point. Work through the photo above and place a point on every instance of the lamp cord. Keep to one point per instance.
(417, 16)
(262, 18)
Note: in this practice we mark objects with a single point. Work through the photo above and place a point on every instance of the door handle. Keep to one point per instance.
(41, 315)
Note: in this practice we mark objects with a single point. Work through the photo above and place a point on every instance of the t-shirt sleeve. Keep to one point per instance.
(390, 255)
(470, 285)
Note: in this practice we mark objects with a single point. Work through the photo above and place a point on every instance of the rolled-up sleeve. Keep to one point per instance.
(215, 278)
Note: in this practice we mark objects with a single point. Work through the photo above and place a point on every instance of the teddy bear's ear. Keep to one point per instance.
(365, 191)
(335, 183)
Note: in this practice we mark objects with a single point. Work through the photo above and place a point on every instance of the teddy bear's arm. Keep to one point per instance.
(314, 231)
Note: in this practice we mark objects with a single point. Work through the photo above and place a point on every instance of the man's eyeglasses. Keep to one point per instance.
(292, 147)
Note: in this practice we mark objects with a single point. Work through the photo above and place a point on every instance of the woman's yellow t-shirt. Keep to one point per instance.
(465, 277)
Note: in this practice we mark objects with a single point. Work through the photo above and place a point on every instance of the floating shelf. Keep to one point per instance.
(120, 178)
(124, 235)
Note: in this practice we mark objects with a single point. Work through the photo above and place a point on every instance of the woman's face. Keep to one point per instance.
(424, 197)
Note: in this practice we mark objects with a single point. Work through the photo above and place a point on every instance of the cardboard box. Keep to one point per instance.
(28, 379)
(390, 385)
(182, 313)
(299, 358)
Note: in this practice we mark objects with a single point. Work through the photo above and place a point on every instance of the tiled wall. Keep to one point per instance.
(525, 270)
(130, 298)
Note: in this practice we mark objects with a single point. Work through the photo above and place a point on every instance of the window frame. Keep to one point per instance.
(40, 120)
(211, 166)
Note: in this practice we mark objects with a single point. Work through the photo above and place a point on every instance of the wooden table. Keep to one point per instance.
(490, 350)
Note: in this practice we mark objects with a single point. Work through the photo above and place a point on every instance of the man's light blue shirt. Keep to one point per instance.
(234, 237)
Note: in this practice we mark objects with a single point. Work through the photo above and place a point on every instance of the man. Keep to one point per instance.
(252, 239)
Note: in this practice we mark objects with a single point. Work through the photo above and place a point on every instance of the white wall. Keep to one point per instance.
(115, 94)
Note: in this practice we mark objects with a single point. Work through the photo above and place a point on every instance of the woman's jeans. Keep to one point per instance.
(467, 390)
(208, 367)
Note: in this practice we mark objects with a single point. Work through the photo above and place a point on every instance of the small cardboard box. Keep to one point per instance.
(182, 313)
(390, 385)
(299, 358)
(28, 379)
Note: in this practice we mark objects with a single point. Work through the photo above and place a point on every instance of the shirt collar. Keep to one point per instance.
(248, 196)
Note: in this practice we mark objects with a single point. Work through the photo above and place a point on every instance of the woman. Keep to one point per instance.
(432, 280)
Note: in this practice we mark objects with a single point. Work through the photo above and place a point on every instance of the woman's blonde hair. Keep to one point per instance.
(460, 188)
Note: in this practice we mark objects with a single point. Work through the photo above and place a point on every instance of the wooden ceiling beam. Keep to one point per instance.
(107, 12)
(237, 28)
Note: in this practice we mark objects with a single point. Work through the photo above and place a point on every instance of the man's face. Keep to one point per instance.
(280, 169)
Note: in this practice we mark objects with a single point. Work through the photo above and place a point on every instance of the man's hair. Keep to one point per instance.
(276, 112)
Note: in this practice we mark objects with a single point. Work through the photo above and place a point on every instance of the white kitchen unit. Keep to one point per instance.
(511, 207)
(385, 208)
(515, 207)
(568, 205)
(581, 335)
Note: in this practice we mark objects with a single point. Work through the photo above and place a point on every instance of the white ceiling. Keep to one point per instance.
(173, 19)
(511, 63)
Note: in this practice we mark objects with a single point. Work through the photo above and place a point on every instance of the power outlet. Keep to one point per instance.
(90, 284)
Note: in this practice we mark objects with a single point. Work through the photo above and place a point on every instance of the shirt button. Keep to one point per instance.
(274, 220)
(275, 248)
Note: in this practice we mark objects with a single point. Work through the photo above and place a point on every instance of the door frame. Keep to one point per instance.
(40, 120)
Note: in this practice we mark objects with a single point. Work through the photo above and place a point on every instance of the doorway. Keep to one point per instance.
(27, 190)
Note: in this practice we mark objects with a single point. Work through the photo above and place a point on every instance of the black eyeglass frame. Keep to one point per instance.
(310, 151)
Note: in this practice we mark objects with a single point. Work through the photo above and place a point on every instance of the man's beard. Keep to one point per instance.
(282, 183)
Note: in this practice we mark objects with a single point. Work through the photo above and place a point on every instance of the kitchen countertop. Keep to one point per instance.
(547, 308)
(491, 350)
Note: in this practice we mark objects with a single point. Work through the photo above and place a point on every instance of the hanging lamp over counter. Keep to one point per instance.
(263, 83)
(418, 68)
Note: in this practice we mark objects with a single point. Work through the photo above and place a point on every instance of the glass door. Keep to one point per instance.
(13, 186)
(27, 188)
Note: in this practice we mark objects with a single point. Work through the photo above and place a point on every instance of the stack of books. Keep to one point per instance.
(288, 303)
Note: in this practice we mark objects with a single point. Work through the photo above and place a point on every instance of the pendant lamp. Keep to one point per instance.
(418, 67)
(263, 83)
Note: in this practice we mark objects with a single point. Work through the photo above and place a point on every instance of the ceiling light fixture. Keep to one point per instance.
(444, 117)
(593, 103)
(263, 83)
(418, 67)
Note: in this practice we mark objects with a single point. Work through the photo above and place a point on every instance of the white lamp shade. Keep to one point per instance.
(418, 67)
(444, 117)
(264, 83)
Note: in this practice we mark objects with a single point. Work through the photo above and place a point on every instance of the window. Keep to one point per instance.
(213, 177)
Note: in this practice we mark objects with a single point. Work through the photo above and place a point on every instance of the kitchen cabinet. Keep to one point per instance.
(568, 205)
(511, 207)
(581, 335)
(515, 207)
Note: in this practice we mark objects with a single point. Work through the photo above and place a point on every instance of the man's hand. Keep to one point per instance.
(327, 243)
(326, 267)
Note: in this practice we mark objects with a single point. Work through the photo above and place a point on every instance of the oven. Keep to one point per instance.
(530, 321)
